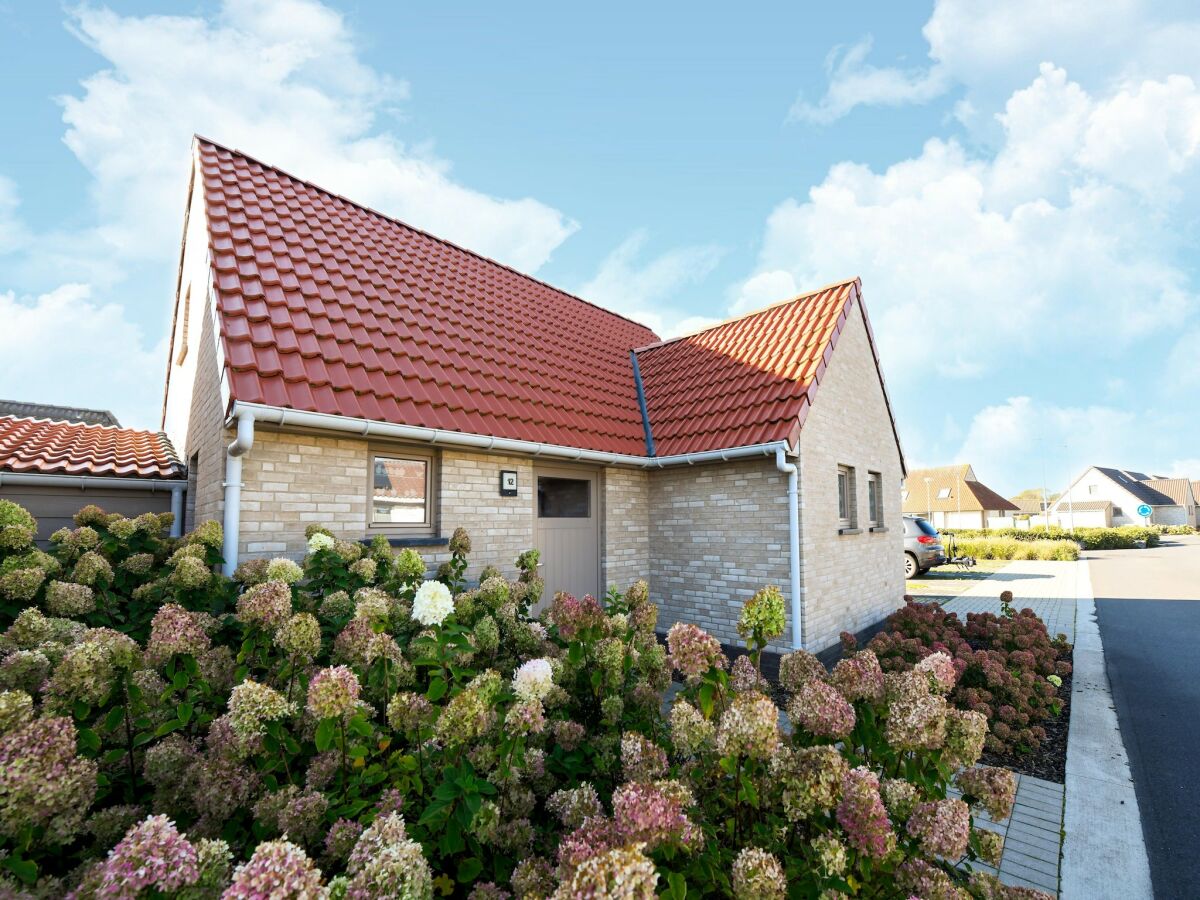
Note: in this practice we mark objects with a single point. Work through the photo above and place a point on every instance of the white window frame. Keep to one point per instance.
(403, 529)
(945, 493)
(846, 498)
(874, 499)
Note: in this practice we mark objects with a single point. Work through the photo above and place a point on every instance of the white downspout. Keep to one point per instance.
(793, 494)
(233, 487)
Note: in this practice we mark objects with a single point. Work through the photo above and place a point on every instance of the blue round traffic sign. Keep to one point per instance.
(1144, 510)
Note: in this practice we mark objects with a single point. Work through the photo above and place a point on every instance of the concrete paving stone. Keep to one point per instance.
(1046, 858)
(1046, 841)
(1027, 878)
(1047, 823)
(1040, 791)
(1040, 821)
(1034, 874)
(1033, 805)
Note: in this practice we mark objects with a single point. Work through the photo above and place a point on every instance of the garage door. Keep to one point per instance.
(53, 507)
(567, 531)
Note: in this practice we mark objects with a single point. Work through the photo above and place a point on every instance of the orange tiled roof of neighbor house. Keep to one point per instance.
(327, 306)
(965, 494)
(45, 447)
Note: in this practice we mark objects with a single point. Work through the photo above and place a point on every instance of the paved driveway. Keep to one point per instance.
(1148, 609)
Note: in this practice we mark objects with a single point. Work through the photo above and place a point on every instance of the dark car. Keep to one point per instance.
(922, 547)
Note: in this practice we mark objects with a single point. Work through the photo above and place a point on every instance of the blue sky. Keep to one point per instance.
(1015, 186)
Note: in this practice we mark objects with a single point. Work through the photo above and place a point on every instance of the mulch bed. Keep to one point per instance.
(1049, 761)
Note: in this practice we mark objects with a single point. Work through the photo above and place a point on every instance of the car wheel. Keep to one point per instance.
(911, 569)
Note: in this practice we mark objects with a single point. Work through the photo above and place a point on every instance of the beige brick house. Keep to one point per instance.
(330, 364)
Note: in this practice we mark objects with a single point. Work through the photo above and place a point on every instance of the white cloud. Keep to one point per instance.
(281, 80)
(1054, 244)
(1009, 443)
(855, 82)
(1185, 468)
(643, 290)
(64, 347)
(13, 233)
(989, 48)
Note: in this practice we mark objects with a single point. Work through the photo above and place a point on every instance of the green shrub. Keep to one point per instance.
(1126, 537)
(1007, 548)
(1178, 529)
(414, 736)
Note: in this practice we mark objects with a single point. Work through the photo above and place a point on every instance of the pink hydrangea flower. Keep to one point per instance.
(942, 826)
(862, 815)
(693, 650)
(820, 710)
(153, 854)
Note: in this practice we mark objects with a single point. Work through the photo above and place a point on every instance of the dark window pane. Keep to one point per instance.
(563, 498)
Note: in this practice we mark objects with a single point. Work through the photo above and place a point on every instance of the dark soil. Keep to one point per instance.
(1049, 761)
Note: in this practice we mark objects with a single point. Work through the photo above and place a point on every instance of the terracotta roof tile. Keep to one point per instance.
(746, 381)
(315, 291)
(45, 447)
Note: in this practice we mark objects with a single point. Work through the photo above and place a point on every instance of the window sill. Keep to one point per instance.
(878, 529)
(849, 531)
(402, 541)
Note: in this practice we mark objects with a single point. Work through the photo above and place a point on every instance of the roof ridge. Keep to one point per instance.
(807, 295)
(71, 424)
(433, 237)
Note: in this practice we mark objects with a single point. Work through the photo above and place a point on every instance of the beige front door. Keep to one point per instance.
(567, 530)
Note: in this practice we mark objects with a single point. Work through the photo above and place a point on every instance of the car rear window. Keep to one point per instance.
(926, 528)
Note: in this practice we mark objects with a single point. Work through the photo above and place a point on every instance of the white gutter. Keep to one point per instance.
(83, 482)
(792, 470)
(246, 414)
(274, 415)
(233, 487)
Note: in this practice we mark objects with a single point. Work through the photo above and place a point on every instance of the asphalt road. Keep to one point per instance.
(1148, 609)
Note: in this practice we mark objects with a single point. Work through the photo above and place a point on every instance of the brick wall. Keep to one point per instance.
(718, 533)
(853, 580)
(625, 528)
(293, 479)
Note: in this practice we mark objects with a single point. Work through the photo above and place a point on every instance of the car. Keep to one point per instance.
(922, 547)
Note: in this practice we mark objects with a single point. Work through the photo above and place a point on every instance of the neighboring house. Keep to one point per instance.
(330, 364)
(1172, 501)
(23, 410)
(952, 497)
(54, 468)
(1028, 506)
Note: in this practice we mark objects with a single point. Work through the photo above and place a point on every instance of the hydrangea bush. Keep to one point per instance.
(346, 727)
(1008, 667)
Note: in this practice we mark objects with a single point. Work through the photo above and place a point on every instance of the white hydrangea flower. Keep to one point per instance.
(320, 541)
(285, 570)
(432, 603)
(533, 680)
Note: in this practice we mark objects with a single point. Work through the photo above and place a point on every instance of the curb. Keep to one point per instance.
(1104, 853)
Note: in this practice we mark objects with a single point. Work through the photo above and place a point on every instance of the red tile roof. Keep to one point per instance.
(47, 447)
(327, 306)
(748, 381)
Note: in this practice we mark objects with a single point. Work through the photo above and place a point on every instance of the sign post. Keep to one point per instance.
(1145, 512)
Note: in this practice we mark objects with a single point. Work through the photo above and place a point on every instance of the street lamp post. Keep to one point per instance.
(928, 502)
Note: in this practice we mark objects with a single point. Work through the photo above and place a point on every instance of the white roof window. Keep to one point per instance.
(944, 494)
